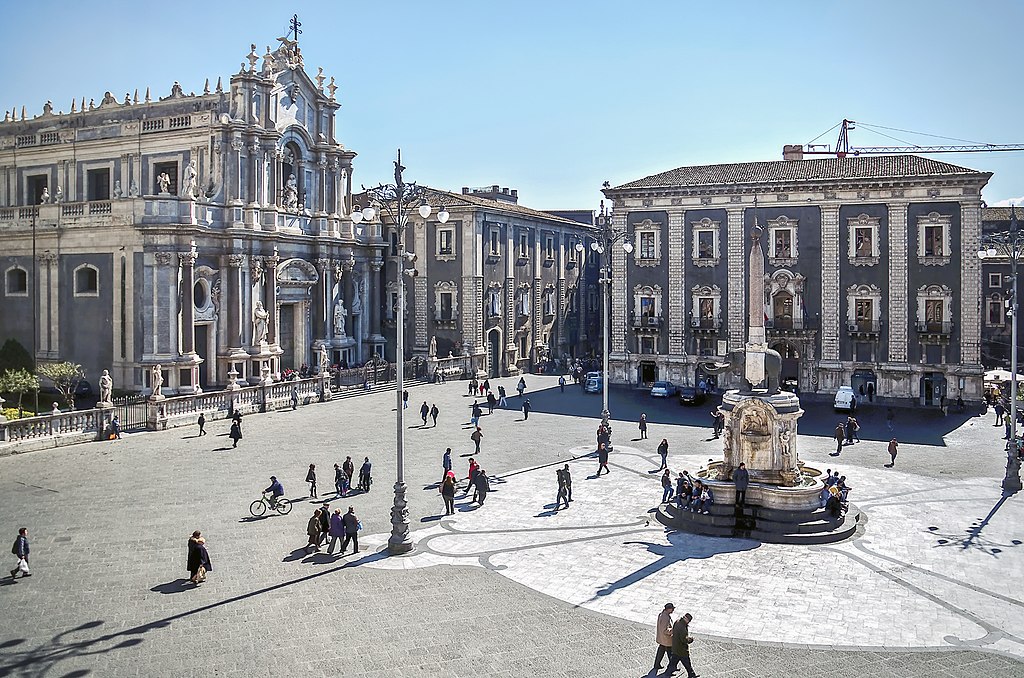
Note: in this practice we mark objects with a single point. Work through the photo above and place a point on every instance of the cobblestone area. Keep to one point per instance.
(109, 522)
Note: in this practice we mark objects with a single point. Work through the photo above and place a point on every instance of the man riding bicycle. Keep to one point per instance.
(276, 490)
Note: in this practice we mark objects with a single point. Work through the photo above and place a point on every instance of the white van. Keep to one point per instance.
(845, 399)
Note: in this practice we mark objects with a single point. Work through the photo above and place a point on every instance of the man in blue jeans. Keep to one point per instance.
(276, 490)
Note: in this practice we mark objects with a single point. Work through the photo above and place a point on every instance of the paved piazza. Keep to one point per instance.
(929, 586)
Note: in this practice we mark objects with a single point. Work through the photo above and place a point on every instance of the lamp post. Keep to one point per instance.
(1009, 245)
(607, 237)
(397, 200)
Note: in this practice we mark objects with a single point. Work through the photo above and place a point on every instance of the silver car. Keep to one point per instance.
(663, 389)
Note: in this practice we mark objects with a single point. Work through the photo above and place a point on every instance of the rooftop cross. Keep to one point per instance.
(294, 27)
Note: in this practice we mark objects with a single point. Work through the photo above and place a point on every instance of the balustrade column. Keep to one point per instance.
(271, 291)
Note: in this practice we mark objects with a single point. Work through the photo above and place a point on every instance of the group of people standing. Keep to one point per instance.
(343, 475)
(323, 524)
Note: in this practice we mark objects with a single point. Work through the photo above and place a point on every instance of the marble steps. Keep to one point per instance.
(766, 525)
(353, 391)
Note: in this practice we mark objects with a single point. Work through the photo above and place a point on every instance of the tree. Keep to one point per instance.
(65, 377)
(13, 356)
(19, 382)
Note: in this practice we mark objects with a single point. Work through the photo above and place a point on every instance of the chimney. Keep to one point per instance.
(792, 152)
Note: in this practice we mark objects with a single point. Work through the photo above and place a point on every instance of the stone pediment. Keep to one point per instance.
(298, 273)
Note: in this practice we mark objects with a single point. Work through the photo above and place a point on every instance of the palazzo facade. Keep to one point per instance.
(872, 277)
(201, 232)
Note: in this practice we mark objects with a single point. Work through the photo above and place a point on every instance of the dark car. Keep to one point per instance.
(690, 395)
(83, 389)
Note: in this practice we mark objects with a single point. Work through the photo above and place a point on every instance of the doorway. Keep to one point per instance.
(494, 353)
(286, 336)
(782, 307)
(201, 344)
(648, 373)
(790, 363)
(933, 389)
(864, 383)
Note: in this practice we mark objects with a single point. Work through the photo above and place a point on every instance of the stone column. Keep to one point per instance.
(375, 284)
(323, 314)
(620, 274)
(234, 188)
(254, 173)
(970, 283)
(897, 297)
(348, 291)
(676, 316)
(187, 261)
(274, 195)
(271, 293)
(737, 278)
(830, 293)
(233, 299)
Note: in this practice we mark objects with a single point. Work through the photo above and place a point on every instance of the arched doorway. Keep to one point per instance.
(790, 374)
(782, 310)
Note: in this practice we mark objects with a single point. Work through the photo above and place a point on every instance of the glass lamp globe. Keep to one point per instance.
(357, 216)
(369, 214)
(424, 210)
(443, 216)
(628, 246)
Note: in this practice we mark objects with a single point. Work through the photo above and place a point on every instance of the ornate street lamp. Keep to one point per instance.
(996, 246)
(397, 200)
(607, 237)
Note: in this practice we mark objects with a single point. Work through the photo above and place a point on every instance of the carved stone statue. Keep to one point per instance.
(58, 196)
(106, 388)
(786, 450)
(325, 362)
(133, 189)
(339, 319)
(45, 198)
(754, 422)
(117, 189)
(164, 182)
(291, 192)
(432, 351)
(157, 381)
(260, 320)
(188, 181)
(357, 299)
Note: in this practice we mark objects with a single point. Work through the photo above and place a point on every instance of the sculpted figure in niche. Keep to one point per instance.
(786, 449)
(164, 182)
(117, 189)
(260, 319)
(325, 362)
(432, 351)
(156, 380)
(291, 192)
(188, 181)
(754, 422)
(357, 299)
(339, 318)
(106, 387)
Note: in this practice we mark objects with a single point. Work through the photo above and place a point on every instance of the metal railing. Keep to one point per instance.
(929, 327)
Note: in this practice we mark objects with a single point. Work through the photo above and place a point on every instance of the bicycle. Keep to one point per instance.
(259, 507)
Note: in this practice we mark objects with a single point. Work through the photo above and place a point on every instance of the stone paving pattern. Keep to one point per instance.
(109, 522)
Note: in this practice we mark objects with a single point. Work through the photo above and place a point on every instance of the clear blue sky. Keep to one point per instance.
(552, 98)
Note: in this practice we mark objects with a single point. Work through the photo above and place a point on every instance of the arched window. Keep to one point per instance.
(87, 281)
(16, 282)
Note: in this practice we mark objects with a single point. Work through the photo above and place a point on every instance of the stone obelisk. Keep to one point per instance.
(756, 346)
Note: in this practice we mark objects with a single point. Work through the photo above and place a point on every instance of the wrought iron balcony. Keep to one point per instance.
(705, 325)
(789, 325)
(864, 327)
(644, 321)
(931, 327)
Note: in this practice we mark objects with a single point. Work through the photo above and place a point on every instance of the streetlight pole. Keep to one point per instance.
(1009, 244)
(608, 237)
(397, 200)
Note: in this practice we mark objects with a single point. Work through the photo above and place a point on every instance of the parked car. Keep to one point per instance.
(690, 395)
(845, 399)
(593, 382)
(663, 389)
(83, 389)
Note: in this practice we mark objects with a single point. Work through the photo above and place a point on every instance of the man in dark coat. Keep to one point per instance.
(840, 436)
(742, 478)
(483, 485)
(526, 409)
(568, 482)
(561, 496)
(236, 432)
(424, 412)
(602, 458)
(198, 558)
(364, 475)
(351, 530)
(681, 647)
(21, 549)
(434, 412)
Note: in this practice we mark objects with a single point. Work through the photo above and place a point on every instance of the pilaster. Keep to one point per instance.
(737, 278)
(676, 282)
(830, 314)
(897, 298)
(970, 283)
(619, 264)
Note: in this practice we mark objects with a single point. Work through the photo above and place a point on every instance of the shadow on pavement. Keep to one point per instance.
(177, 586)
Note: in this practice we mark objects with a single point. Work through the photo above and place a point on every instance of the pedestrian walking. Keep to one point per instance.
(561, 383)
(663, 451)
(894, 448)
(719, 422)
(364, 475)
(890, 416)
(491, 402)
(198, 558)
(472, 387)
(21, 550)
(295, 397)
(562, 495)
(486, 387)
(666, 486)
(237, 417)
(448, 495)
(521, 386)
(681, 647)
(999, 413)
(340, 480)
(446, 464)
(313, 532)
(567, 477)
(476, 437)
(236, 432)
(851, 429)
(502, 402)
(643, 427)
(483, 486)
(311, 479)
(115, 428)
(349, 468)
(424, 412)
(474, 469)
(352, 527)
(602, 459)
(325, 523)
(405, 400)
(840, 436)
(475, 414)
(202, 424)
(741, 477)
(1007, 423)
(336, 531)
(526, 409)
(434, 412)
(664, 635)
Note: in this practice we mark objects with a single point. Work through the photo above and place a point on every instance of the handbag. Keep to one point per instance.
(201, 574)
(23, 565)
(359, 525)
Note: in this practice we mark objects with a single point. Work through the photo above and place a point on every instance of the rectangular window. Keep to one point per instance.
(171, 170)
(549, 247)
(34, 187)
(933, 315)
(17, 282)
(705, 244)
(647, 245)
(782, 244)
(647, 309)
(524, 245)
(446, 306)
(495, 242)
(864, 237)
(933, 241)
(445, 241)
(98, 184)
(995, 312)
(995, 280)
(649, 345)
